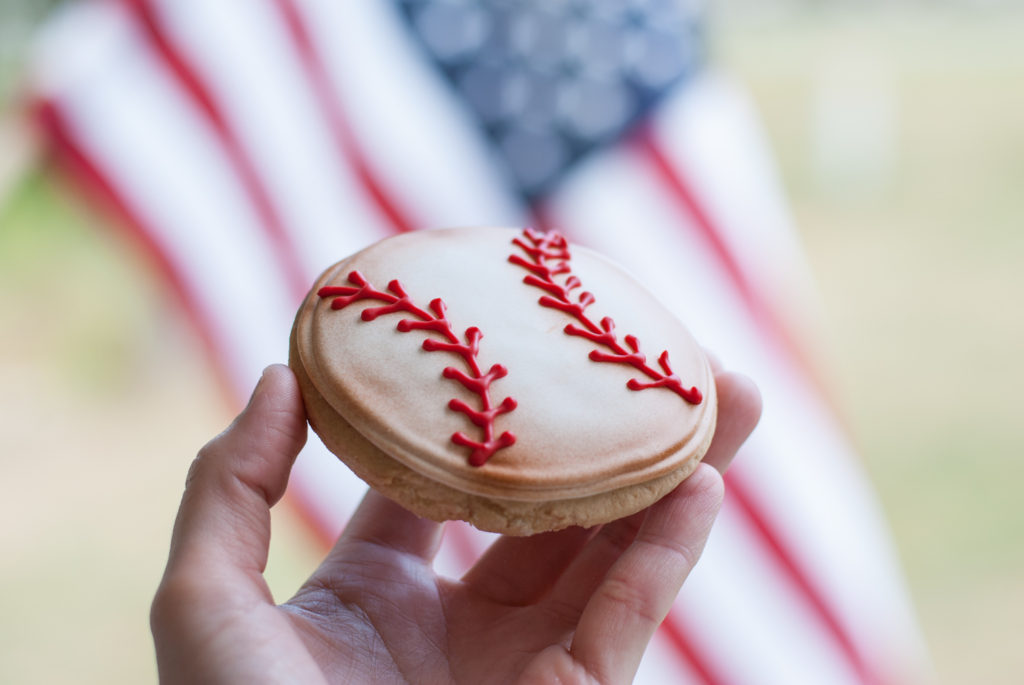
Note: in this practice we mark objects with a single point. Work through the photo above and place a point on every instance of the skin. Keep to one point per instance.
(574, 606)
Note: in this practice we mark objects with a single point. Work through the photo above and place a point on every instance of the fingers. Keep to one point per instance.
(213, 604)
(576, 586)
(639, 588)
(223, 525)
(381, 522)
(519, 570)
(739, 409)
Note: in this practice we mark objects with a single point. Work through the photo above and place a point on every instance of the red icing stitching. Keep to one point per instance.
(547, 256)
(435, 321)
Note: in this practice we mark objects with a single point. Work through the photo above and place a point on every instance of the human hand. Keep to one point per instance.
(573, 606)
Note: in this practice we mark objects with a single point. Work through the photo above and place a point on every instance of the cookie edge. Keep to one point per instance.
(432, 500)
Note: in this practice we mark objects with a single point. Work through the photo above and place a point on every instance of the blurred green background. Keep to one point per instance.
(899, 133)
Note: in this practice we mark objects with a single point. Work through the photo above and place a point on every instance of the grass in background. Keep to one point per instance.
(919, 257)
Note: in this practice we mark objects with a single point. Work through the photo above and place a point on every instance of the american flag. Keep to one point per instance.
(245, 146)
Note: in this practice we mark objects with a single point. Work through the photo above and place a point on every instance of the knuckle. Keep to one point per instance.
(685, 555)
(631, 598)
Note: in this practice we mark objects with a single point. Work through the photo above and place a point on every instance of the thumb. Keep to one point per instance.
(210, 617)
(223, 525)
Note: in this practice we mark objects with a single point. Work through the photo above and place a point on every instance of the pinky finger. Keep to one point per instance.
(639, 589)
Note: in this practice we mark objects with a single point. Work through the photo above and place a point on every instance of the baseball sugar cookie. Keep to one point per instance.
(503, 377)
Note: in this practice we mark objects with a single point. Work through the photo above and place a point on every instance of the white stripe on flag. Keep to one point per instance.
(244, 54)
(434, 160)
(711, 132)
(133, 123)
(748, 616)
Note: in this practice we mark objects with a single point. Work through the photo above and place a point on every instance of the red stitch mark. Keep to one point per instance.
(435, 321)
(547, 256)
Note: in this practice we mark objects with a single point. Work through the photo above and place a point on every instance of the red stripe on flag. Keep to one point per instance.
(101, 191)
(688, 203)
(762, 312)
(202, 97)
(742, 497)
(677, 635)
(348, 148)
(98, 188)
(687, 200)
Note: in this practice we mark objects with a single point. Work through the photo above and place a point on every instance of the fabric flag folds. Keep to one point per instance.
(247, 146)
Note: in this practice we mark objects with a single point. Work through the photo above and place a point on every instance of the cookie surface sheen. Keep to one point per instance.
(583, 439)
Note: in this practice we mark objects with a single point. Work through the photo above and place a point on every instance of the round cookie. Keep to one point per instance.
(502, 377)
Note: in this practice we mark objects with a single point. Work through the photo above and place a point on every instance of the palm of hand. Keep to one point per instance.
(445, 630)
